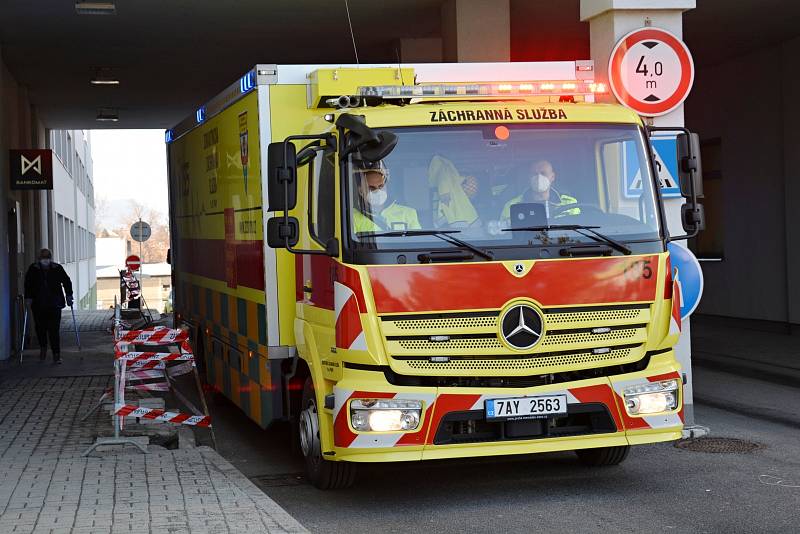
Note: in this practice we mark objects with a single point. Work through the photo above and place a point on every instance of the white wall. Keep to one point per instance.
(749, 103)
(73, 206)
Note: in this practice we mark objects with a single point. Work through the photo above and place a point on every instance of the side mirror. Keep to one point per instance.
(693, 217)
(371, 145)
(690, 172)
(282, 175)
(280, 228)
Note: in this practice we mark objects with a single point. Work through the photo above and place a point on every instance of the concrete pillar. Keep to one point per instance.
(476, 30)
(791, 180)
(609, 21)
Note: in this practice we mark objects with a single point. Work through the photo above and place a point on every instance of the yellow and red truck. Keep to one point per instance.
(430, 261)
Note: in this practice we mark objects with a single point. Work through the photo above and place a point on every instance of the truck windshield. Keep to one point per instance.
(482, 180)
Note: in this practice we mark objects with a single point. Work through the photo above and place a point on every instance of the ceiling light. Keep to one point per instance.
(104, 76)
(107, 115)
(95, 8)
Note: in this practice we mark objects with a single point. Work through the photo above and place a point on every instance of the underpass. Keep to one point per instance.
(739, 364)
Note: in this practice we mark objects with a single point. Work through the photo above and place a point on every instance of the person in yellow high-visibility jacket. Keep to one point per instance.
(376, 212)
(540, 189)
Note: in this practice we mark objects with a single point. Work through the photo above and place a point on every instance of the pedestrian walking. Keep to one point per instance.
(47, 290)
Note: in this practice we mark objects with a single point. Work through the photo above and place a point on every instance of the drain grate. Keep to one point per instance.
(275, 481)
(719, 445)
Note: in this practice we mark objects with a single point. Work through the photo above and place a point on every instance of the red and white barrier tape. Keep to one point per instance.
(129, 410)
(154, 336)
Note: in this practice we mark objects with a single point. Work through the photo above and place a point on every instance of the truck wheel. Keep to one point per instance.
(324, 474)
(603, 455)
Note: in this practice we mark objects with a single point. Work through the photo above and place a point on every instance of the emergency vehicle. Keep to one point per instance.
(431, 261)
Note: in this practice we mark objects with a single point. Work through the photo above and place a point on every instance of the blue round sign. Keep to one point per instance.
(690, 277)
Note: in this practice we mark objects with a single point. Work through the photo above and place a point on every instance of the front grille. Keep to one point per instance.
(471, 340)
(466, 343)
(472, 426)
(625, 335)
(541, 364)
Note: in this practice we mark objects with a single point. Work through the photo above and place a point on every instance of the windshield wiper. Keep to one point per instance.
(444, 235)
(597, 236)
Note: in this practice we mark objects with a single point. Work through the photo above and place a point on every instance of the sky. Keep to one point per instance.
(130, 164)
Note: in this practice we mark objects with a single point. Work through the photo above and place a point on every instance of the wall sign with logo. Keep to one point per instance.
(31, 169)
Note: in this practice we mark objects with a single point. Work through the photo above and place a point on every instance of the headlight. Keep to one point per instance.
(385, 415)
(652, 397)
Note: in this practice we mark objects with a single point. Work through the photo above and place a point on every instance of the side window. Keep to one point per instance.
(321, 195)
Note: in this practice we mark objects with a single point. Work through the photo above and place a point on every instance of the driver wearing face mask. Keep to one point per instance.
(375, 211)
(540, 189)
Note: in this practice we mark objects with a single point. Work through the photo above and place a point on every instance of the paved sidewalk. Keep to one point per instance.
(46, 486)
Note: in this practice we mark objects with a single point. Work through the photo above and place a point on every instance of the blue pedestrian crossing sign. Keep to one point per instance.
(665, 150)
(690, 277)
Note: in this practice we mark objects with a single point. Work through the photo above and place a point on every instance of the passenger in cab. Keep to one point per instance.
(454, 207)
(540, 189)
(375, 211)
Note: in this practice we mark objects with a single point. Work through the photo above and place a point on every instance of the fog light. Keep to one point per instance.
(385, 415)
(651, 397)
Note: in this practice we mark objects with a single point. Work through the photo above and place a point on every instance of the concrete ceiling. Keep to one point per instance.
(172, 55)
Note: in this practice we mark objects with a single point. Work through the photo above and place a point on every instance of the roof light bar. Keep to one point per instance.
(484, 90)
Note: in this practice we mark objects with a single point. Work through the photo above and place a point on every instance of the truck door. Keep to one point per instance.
(316, 272)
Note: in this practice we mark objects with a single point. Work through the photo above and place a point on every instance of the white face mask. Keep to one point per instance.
(45, 262)
(377, 198)
(540, 183)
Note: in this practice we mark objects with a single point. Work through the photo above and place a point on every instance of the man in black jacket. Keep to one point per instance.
(46, 283)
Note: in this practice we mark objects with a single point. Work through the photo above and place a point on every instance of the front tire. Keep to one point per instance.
(324, 474)
(603, 456)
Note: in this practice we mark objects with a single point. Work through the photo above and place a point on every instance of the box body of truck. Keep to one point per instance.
(398, 344)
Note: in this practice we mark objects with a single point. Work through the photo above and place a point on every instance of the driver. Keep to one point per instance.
(540, 189)
(374, 210)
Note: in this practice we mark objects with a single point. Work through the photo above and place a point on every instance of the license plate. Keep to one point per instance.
(526, 407)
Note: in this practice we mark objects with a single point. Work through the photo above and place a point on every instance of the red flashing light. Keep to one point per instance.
(502, 133)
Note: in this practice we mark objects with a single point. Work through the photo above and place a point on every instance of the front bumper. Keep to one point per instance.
(597, 418)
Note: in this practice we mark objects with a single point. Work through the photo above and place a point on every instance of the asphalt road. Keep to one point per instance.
(659, 488)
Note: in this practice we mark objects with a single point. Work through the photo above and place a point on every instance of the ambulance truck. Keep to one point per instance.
(413, 262)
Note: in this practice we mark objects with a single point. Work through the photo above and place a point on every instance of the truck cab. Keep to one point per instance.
(472, 279)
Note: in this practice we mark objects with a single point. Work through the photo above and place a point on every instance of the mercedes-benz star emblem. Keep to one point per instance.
(521, 326)
(519, 268)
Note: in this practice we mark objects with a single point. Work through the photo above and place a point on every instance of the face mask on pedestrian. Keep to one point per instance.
(540, 183)
(44, 262)
(377, 198)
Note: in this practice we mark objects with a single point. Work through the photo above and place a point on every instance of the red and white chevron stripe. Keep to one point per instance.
(129, 410)
(349, 331)
(646, 421)
(677, 302)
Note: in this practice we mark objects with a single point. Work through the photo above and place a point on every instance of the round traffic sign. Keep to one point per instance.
(140, 231)
(651, 71)
(133, 262)
(690, 277)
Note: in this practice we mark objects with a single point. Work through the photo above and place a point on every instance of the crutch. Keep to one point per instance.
(75, 325)
(24, 329)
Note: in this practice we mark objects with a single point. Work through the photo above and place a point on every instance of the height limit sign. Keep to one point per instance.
(651, 71)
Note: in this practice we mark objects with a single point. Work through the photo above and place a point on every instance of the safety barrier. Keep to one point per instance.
(153, 371)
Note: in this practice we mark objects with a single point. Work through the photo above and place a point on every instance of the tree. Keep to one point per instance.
(154, 250)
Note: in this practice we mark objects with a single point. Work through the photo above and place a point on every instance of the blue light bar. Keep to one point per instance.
(200, 114)
(169, 135)
(247, 82)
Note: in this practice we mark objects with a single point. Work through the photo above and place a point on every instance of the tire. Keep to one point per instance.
(323, 473)
(603, 456)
